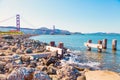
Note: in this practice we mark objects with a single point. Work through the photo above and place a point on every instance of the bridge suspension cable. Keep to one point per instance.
(7, 19)
(27, 22)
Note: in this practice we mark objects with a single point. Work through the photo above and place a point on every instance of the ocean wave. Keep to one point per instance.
(80, 61)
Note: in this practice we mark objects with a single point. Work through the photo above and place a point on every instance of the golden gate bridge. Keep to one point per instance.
(18, 20)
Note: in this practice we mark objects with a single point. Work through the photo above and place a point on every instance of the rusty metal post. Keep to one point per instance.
(114, 44)
(104, 44)
(99, 43)
(88, 47)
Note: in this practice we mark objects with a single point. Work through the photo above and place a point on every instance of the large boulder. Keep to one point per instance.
(19, 73)
(27, 74)
(67, 73)
(102, 75)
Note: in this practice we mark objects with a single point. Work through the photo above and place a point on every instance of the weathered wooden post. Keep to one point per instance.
(52, 43)
(88, 47)
(104, 44)
(114, 44)
(99, 44)
(61, 45)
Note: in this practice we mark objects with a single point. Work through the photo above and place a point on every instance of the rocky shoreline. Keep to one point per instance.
(22, 58)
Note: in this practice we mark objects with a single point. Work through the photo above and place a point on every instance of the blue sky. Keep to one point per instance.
(73, 15)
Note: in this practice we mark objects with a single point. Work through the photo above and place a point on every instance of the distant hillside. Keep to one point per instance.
(42, 30)
(102, 33)
(77, 33)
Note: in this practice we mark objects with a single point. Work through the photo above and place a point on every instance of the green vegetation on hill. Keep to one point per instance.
(11, 33)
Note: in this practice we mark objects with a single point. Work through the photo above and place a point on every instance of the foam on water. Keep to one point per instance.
(79, 61)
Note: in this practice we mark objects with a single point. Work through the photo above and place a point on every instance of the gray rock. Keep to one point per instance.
(57, 63)
(33, 64)
(19, 51)
(51, 60)
(51, 71)
(27, 74)
(42, 68)
(16, 56)
(2, 63)
(2, 54)
(7, 37)
(5, 47)
(29, 50)
(32, 58)
(68, 72)
(18, 62)
(0, 46)
(2, 69)
(39, 75)
(13, 49)
(25, 58)
(19, 73)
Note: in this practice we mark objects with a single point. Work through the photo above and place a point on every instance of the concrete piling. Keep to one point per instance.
(99, 43)
(114, 44)
(88, 47)
(61, 45)
(104, 44)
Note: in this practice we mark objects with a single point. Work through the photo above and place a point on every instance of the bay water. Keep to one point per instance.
(108, 59)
